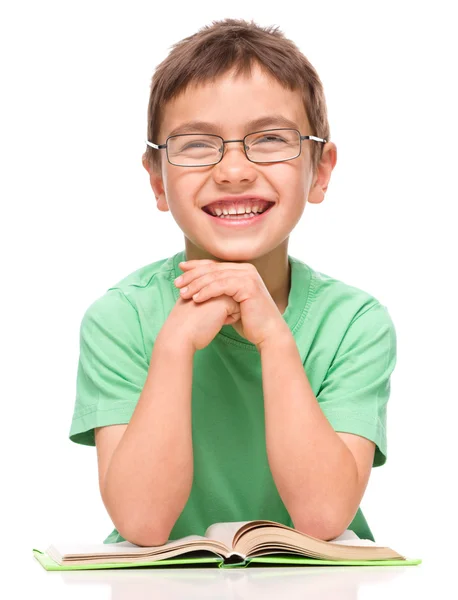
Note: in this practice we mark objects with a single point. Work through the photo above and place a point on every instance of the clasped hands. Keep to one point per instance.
(260, 320)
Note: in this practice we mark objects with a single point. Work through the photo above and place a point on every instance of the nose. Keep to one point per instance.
(234, 166)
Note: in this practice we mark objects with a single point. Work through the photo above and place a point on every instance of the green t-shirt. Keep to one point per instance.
(347, 342)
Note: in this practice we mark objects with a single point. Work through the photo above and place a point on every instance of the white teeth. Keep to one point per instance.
(240, 210)
(243, 217)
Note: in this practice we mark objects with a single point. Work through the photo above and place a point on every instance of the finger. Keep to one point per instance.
(192, 275)
(198, 279)
(218, 287)
(194, 272)
(191, 264)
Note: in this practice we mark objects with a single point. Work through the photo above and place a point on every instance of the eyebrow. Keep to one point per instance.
(251, 126)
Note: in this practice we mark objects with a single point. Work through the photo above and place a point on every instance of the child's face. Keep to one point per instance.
(229, 104)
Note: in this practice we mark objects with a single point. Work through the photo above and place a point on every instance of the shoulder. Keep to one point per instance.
(154, 273)
(346, 302)
(335, 309)
(146, 286)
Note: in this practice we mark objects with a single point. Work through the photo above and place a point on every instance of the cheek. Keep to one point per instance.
(176, 184)
(183, 190)
(187, 181)
(289, 178)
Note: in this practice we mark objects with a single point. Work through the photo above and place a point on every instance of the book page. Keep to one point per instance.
(349, 538)
(122, 548)
(224, 532)
(347, 535)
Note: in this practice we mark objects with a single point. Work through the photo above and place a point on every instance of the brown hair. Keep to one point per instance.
(214, 50)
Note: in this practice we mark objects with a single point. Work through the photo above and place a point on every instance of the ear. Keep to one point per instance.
(323, 174)
(157, 184)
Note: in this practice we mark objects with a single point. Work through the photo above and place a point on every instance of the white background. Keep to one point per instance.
(78, 215)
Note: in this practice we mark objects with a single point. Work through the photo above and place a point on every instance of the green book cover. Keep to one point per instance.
(278, 559)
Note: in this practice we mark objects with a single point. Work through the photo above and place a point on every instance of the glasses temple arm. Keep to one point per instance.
(312, 137)
(158, 147)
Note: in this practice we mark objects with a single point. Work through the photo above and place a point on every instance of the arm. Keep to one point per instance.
(147, 480)
(317, 476)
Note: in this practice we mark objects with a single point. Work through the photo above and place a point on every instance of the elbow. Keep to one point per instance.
(137, 530)
(142, 536)
(319, 531)
(321, 528)
(327, 523)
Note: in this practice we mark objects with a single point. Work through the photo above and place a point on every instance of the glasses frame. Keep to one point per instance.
(224, 142)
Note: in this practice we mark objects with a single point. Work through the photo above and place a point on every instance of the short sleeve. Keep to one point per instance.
(356, 389)
(112, 367)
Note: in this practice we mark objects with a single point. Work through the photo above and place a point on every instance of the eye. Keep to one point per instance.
(270, 138)
(195, 145)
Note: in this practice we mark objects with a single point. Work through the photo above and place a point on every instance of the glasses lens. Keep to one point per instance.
(273, 145)
(194, 149)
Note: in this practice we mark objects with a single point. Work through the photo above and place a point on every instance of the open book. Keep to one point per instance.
(232, 544)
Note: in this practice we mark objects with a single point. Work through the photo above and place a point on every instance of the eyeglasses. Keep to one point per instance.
(202, 149)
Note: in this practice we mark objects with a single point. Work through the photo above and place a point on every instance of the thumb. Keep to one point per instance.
(233, 310)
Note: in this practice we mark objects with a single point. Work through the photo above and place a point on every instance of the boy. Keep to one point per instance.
(264, 397)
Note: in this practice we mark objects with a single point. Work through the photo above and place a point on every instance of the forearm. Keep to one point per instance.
(150, 475)
(314, 471)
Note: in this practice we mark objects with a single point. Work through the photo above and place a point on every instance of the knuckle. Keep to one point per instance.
(253, 282)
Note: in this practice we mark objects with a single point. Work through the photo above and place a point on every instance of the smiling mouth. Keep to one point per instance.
(238, 216)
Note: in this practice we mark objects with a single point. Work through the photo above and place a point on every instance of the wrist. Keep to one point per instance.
(173, 346)
(280, 336)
